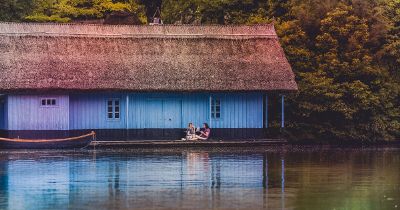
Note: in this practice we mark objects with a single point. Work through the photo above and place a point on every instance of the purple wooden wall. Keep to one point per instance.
(26, 113)
(2, 113)
(89, 111)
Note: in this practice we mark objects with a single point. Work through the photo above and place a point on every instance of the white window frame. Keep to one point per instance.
(113, 109)
(214, 106)
(50, 104)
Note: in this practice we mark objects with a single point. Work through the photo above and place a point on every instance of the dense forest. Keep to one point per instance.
(345, 53)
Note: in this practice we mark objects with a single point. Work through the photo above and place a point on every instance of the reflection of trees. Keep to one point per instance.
(345, 179)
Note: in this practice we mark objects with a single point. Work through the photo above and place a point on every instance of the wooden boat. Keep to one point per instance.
(66, 143)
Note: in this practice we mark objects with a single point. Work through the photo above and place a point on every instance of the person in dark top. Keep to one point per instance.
(205, 133)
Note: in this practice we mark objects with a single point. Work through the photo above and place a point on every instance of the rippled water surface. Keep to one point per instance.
(230, 178)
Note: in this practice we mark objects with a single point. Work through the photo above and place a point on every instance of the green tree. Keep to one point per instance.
(14, 10)
(67, 10)
(390, 53)
(347, 91)
(214, 11)
(279, 8)
(180, 11)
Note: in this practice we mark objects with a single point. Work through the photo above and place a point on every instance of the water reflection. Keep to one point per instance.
(3, 183)
(201, 179)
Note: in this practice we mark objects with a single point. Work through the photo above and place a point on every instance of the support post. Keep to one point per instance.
(266, 110)
(283, 111)
(127, 111)
(210, 111)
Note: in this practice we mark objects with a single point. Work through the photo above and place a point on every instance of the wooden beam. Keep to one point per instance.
(283, 111)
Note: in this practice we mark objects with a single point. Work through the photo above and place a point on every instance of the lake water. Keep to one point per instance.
(230, 178)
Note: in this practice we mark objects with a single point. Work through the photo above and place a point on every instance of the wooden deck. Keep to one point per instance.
(181, 143)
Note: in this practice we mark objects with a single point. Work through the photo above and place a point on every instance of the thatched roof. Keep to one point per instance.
(142, 58)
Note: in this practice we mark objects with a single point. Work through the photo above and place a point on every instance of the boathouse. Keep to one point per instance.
(140, 82)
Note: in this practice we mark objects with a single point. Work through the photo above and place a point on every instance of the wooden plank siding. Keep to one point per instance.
(240, 110)
(153, 110)
(194, 108)
(6, 113)
(145, 110)
(89, 111)
(2, 113)
(26, 113)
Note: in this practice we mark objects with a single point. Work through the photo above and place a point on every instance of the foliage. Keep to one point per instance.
(67, 10)
(390, 53)
(344, 94)
(14, 10)
(214, 11)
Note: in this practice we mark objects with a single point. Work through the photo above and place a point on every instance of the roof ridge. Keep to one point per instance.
(157, 30)
(119, 25)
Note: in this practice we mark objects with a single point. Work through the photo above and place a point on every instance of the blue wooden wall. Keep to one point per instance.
(89, 111)
(26, 113)
(240, 111)
(145, 109)
(165, 110)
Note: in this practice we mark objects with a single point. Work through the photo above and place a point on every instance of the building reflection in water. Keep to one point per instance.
(200, 179)
(283, 183)
(241, 173)
(207, 180)
(265, 181)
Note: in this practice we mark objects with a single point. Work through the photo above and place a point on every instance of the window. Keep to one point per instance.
(48, 102)
(113, 109)
(215, 108)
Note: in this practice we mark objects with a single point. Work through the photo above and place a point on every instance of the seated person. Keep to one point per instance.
(190, 132)
(204, 134)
